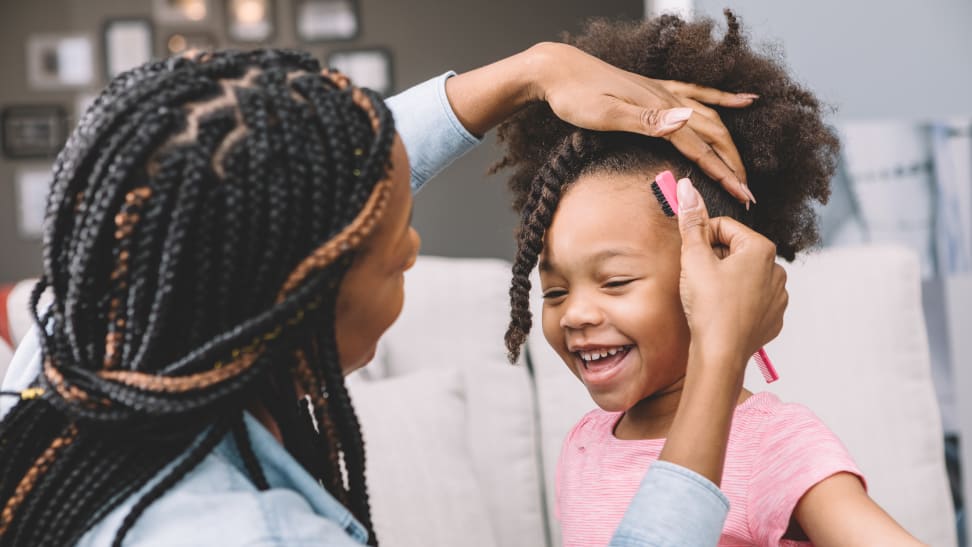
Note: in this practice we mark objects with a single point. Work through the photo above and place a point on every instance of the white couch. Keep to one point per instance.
(462, 446)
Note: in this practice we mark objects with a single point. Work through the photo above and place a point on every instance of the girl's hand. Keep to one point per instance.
(732, 289)
(589, 93)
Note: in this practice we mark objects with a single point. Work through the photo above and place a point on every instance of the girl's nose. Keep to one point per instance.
(580, 313)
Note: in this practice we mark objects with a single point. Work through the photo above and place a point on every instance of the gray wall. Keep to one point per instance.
(460, 214)
(871, 58)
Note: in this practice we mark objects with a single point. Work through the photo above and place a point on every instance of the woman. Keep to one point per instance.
(225, 240)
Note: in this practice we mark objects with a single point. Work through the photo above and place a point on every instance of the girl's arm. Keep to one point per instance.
(838, 512)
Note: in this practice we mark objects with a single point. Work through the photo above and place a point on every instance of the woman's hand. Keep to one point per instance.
(589, 93)
(732, 289)
(734, 295)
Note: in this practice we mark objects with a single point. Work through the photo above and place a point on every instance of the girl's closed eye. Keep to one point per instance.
(617, 283)
(553, 293)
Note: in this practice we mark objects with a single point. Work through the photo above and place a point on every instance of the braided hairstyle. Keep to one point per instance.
(788, 152)
(200, 221)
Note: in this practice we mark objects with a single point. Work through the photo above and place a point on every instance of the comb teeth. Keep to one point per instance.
(765, 366)
(665, 206)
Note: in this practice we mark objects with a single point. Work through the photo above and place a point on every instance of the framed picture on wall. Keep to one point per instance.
(180, 12)
(327, 20)
(249, 20)
(177, 42)
(57, 61)
(33, 131)
(32, 185)
(127, 44)
(371, 68)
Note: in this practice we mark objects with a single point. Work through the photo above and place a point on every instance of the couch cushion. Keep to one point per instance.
(854, 349)
(423, 488)
(455, 314)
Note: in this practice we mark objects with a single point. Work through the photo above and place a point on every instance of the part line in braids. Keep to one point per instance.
(195, 111)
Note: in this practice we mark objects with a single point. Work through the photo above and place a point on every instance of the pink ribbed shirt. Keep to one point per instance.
(776, 452)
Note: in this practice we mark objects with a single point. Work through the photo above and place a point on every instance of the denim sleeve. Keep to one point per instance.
(430, 130)
(673, 506)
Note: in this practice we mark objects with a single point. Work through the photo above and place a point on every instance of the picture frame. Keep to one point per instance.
(126, 43)
(60, 61)
(327, 20)
(31, 186)
(181, 12)
(180, 41)
(33, 131)
(250, 21)
(367, 67)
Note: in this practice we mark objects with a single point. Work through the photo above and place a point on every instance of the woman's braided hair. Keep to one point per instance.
(788, 152)
(200, 221)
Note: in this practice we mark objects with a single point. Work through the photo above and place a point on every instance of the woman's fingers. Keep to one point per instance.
(717, 136)
(694, 147)
(618, 115)
(739, 238)
(709, 95)
(700, 108)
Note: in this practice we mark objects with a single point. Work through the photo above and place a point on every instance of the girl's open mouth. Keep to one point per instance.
(600, 365)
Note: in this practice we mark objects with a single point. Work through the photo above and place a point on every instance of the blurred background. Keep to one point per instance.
(897, 74)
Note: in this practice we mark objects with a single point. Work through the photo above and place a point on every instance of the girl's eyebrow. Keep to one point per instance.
(599, 256)
(605, 254)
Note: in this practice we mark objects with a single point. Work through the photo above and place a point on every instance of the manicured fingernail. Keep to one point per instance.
(748, 193)
(675, 116)
(744, 99)
(688, 197)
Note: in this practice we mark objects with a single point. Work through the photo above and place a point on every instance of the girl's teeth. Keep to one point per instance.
(600, 354)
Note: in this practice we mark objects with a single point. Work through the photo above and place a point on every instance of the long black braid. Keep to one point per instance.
(200, 220)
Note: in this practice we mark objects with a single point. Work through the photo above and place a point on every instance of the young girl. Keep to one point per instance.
(609, 262)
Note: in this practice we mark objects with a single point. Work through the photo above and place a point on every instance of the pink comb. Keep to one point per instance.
(665, 189)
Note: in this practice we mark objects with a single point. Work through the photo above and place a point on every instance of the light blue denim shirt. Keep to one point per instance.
(216, 504)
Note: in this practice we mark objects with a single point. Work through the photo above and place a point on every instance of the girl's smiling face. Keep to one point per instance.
(609, 271)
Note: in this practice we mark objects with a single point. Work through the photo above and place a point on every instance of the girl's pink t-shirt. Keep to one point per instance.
(776, 452)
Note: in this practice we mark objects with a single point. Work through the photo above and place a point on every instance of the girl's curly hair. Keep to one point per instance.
(789, 153)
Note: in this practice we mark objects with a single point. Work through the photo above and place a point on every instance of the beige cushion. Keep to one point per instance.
(423, 488)
(854, 349)
(455, 314)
